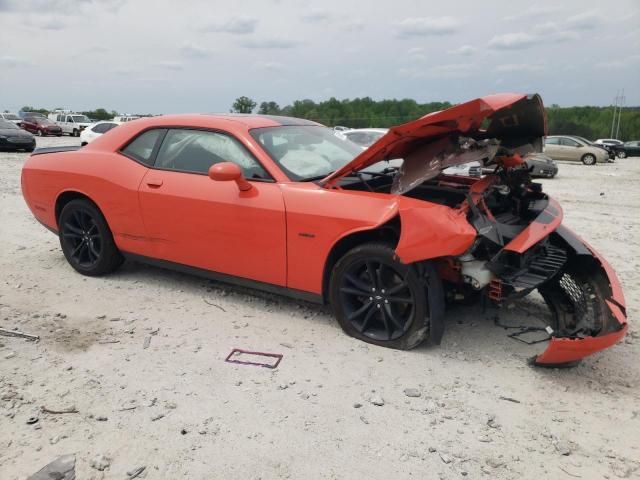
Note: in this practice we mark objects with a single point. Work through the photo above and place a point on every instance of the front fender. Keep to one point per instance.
(429, 230)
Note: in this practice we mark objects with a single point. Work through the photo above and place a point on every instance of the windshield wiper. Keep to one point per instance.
(316, 177)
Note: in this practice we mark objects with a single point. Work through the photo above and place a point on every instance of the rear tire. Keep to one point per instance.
(589, 159)
(380, 300)
(622, 154)
(86, 240)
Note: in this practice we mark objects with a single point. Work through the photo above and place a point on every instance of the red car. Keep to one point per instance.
(41, 126)
(383, 235)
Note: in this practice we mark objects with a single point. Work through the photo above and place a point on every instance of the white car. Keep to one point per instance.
(97, 129)
(364, 137)
(10, 117)
(608, 141)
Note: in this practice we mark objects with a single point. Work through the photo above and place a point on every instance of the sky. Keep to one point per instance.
(170, 56)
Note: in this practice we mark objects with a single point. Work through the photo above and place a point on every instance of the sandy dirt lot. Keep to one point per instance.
(335, 407)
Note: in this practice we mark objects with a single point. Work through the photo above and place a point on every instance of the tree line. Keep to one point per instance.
(589, 122)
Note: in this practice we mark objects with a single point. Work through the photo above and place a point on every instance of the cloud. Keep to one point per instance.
(95, 50)
(465, 50)
(585, 21)
(425, 26)
(236, 26)
(60, 7)
(270, 43)
(13, 62)
(519, 68)
(169, 65)
(316, 16)
(55, 23)
(533, 12)
(353, 25)
(270, 66)
(513, 41)
(453, 70)
(629, 61)
(192, 50)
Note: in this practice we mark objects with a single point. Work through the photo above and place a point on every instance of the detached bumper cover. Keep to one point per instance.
(565, 350)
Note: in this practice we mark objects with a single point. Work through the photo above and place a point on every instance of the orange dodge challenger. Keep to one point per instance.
(386, 236)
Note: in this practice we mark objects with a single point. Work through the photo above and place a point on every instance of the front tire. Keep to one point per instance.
(380, 300)
(622, 154)
(86, 240)
(589, 159)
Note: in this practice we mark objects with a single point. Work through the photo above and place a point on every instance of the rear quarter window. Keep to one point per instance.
(142, 148)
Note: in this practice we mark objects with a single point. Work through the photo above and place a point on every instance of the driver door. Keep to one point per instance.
(195, 221)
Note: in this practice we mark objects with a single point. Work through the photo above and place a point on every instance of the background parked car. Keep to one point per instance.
(41, 126)
(11, 117)
(568, 148)
(125, 118)
(364, 137)
(605, 146)
(629, 149)
(608, 141)
(14, 138)
(97, 129)
(71, 123)
(539, 165)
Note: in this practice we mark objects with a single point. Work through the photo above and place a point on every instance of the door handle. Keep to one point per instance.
(154, 182)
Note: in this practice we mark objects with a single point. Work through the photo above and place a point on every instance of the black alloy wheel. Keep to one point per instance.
(85, 238)
(380, 300)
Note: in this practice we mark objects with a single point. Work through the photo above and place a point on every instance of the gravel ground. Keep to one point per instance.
(334, 407)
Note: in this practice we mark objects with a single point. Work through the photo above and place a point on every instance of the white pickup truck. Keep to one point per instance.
(71, 123)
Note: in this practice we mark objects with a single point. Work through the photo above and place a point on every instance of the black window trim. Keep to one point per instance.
(160, 140)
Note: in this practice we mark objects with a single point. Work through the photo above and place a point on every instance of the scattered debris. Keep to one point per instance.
(357, 405)
(62, 468)
(492, 423)
(59, 411)
(101, 418)
(563, 448)
(17, 333)
(157, 417)
(136, 472)
(214, 305)
(286, 345)
(237, 354)
(377, 400)
(32, 420)
(9, 355)
(509, 399)
(445, 458)
(147, 342)
(364, 420)
(100, 462)
(412, 392)
(569, 473)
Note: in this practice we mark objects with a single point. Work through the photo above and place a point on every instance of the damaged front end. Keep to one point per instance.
(521, 247)
(500, 237)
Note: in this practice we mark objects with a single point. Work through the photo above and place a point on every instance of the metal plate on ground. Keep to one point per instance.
(257, 359)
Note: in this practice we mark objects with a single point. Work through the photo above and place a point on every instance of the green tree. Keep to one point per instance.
(243, 105)
(269, 108)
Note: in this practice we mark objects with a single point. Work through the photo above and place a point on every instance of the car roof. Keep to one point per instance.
(252, 120)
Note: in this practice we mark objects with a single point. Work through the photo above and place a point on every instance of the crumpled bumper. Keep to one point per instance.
(562, 351)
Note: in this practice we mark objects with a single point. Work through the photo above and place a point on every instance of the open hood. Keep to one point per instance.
(508, 120)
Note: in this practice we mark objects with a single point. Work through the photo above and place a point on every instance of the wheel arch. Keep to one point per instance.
(388, 232)
(67, 196)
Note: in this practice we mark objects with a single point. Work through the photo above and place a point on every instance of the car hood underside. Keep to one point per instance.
(479, 130)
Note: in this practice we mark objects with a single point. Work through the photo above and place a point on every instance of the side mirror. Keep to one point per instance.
(228, 171)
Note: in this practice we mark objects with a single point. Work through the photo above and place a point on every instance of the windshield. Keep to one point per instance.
(80, 119)
(8, 125)
(583, 140)
(305, 152)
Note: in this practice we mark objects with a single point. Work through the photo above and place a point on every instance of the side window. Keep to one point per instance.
(567, 142)
(100, 128)
(141, 148)
(109, 126)
(196, 150)
(552, 141)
